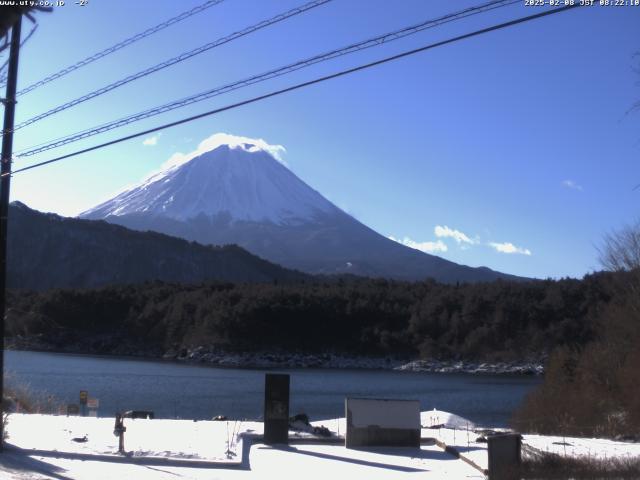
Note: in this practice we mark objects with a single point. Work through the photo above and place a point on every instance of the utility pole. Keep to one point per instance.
(5, 183)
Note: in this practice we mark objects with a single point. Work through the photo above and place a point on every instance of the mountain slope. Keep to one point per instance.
(241, 194)
(244, 182)
(46, 251)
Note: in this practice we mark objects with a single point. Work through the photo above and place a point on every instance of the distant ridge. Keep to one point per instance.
(49, 251)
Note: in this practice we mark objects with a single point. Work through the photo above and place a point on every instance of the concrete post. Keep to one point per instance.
(504, 455)
(276, 409)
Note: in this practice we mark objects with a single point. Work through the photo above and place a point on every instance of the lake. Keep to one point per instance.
(174, 390)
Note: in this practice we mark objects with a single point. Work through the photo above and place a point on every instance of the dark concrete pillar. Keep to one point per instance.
(276, 408)
(504, 455)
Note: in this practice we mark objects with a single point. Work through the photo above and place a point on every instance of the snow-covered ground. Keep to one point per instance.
(465, 442)
(47, 447)
(461, 434)
(457, 432)
(184, 439)
(43, 447)
(590, 447)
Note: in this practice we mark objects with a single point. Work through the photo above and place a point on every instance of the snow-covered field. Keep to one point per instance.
(461, 435)
(178, 439)
(79, 448)
(43, 447)
(590, 447)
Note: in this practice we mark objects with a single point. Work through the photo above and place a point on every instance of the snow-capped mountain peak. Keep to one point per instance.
(241, 179)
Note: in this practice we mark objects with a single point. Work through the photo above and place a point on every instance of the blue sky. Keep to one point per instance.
(512, 150)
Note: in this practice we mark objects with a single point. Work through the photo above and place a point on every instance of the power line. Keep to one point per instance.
(120, 45)
(302, 85)
(173, 61)
(372, 42)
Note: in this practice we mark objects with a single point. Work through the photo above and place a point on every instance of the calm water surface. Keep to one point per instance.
(186, 391)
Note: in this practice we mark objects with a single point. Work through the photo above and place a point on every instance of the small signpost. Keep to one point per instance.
(92, 405)
(84, 396)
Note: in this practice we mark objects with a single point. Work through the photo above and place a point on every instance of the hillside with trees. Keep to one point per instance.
(49, 251)
(490, 321)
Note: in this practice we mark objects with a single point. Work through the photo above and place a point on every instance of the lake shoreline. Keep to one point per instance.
(202, 355)
(283, 360)
(201, 391)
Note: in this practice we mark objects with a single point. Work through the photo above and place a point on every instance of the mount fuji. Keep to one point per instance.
(238, 193)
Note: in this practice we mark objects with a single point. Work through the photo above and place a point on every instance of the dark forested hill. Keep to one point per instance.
(47, 251)
(492, 321)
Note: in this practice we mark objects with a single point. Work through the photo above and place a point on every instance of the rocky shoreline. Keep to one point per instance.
(437, 366)
(327, 360)
(271, 360)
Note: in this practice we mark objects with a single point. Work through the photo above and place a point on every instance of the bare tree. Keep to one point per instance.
(620, 250)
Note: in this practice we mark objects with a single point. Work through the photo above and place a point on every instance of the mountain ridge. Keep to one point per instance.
(46, 251)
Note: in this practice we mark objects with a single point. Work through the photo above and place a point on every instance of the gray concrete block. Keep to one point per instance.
(382, 423)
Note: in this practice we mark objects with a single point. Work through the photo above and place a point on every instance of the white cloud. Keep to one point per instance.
(428, 247)
(507, 247)
(151, 141)
(457, 235)
(233, 141)
(572, 185)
